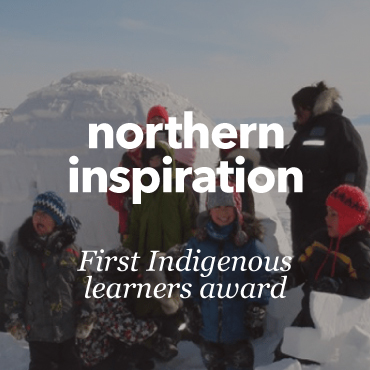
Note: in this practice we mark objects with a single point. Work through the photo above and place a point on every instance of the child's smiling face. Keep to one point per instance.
(43, 223)
(223, 215)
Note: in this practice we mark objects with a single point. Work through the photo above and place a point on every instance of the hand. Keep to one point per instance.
(193, 316)
(17, 329)
(72, 224)
(85, 325)
(326, 284)
(275, 279)
(278, 278)
(163, 347)
(254, 319)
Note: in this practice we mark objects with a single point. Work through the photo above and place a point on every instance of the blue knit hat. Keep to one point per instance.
(50, 203)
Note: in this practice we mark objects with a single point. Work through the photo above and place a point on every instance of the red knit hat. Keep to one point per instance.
(351, 205)
(353, 208)
(225, 152)
(157, 110)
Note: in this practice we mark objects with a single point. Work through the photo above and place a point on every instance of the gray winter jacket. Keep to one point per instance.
(45, 290)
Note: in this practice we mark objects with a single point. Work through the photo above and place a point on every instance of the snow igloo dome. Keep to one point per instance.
(52, 124)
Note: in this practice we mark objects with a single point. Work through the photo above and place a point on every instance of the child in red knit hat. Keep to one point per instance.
(157, 114)
(335, 259)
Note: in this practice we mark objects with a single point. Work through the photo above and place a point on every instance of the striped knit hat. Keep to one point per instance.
(50, 203)
(351, 205)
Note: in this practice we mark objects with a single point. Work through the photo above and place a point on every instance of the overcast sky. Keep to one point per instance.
(230, 58)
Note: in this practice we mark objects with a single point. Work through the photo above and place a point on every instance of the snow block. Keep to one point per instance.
(355, 350)
(305, 343)
(336, 315)
(286, 364)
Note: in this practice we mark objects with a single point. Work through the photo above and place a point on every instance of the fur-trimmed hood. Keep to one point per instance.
(61, 238)
(326, 101)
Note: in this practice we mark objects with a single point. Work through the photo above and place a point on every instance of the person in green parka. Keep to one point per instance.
(162, 219)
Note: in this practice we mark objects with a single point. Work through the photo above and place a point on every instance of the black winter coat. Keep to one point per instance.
(329, 152)
(45, 290)
(351, 267)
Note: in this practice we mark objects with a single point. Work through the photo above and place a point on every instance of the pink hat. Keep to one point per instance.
(157, 110)
(186, 155)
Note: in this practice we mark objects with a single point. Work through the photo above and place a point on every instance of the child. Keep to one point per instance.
(335, 259)
(158, 114)
(163, 218)
(111, 344)
(226, 324)
(46, 302)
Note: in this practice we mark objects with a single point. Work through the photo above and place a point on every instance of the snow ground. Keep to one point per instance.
(51, 125)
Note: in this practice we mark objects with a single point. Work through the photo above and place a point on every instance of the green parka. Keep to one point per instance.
(161, 220)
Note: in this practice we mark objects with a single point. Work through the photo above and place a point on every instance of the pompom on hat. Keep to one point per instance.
(157, 110)
(351, 205)
(52, 204)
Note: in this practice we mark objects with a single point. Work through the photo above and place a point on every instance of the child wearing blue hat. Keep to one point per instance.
(46, 294)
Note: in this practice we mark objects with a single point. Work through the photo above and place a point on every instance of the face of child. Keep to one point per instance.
(223, 215)
(155, 161)
(43, 223)
(157, 119)
(332, 222)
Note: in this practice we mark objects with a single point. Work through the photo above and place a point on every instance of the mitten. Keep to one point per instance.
(278, 278)
(326, 284)
(175, 253)
(72, 223)
(163, 347)
(85, 325)
(17, 329)
(254, 318)
(192, 316)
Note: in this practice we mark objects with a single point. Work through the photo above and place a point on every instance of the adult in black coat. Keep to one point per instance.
(327, 149)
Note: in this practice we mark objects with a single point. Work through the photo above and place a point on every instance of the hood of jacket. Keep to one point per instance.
(58, 240)
(327, 101)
